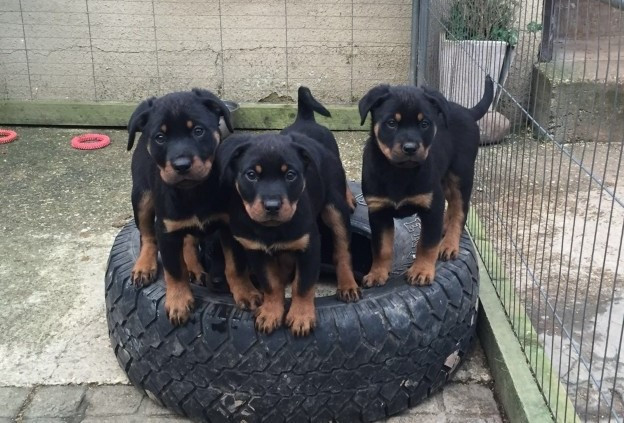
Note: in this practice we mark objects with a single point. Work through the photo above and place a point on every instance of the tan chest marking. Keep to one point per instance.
(418, 200)
(193, 222)
(299, 244)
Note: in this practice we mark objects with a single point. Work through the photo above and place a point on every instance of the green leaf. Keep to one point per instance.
(534, 26)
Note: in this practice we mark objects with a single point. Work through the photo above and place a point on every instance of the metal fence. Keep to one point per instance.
(547, 206)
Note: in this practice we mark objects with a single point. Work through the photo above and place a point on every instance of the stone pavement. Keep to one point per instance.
(467, 398)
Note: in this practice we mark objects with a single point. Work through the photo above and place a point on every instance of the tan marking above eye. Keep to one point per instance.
(420, 117)
(284, 168)
(189, 124)
(258, 169)
(397, 117)
(163, 128)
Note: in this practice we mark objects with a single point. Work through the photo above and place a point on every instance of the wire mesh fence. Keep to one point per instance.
(547, 206)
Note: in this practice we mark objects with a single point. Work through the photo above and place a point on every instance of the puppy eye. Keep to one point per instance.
(251, 175)
(198, 131)
(291, 175)
(391, 123)
(424, 124)
(160, 138)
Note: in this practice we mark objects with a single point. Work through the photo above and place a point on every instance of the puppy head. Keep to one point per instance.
(182, 130)
(404, 121)
(268, 172)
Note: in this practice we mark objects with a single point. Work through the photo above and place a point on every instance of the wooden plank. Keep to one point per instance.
(248, 116)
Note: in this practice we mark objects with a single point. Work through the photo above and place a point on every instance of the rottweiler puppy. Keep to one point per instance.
(336, 219)
(307, 125)
(421, 151)
(174, 191)
(283, 183)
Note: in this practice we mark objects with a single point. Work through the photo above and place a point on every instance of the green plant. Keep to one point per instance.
(490, 20)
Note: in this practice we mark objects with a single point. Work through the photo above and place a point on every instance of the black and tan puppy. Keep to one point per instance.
(334, 216)
(421, 150)
(173, 188)
(306, 124)
(281, 192)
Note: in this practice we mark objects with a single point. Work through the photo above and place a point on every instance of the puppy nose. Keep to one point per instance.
(182, 164)
(272, 205)
(409, 148)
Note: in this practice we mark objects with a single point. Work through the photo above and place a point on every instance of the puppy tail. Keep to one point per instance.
(478, 111)
(307, 105)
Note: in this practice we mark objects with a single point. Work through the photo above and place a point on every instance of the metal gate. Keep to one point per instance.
(547, 193)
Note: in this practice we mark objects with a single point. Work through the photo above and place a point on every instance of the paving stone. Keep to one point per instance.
(471, 400)
(152, 408)
(113, 400)
(432, 405)
(133, 419)
(474, 368)
(461, 419)
(55, 401)
(12, 399)
(44, 420)
(417, 418)
(429, 411)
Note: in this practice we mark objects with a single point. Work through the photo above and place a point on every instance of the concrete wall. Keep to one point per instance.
(114, 50)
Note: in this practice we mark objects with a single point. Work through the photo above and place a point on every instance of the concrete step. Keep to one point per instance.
(578, 97)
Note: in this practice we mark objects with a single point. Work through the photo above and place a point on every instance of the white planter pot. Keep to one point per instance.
(463, 65)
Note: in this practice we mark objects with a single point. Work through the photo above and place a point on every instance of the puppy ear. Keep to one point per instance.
(214, 103)
(308, 150)
(139, 119)
(229, 152)
(439, 102)
(372, 99)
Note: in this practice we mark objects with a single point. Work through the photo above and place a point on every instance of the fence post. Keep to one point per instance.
(420, 35)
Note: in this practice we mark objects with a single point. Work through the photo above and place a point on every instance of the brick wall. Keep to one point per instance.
(116, 50)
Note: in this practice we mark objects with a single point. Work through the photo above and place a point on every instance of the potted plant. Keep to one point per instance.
(479, 38)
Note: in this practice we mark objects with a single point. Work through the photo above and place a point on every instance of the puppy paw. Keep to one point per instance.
(375, 278)
(249, 299)
(349, 295)
(420, 274)
(199, 276)
(448, 250)
(178, 304)
(144, 272)
(301, 323)
(268, 318)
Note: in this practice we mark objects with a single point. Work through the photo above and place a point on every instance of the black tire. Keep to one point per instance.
(363, 362)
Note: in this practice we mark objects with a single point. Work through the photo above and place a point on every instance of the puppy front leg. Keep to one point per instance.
(270, 314)
(422, 270)
(145, 268)
(246, 296)
(336, 217)
(191, 259)
(179, 299)
(457, 193)
(301, 317)
(382, 243)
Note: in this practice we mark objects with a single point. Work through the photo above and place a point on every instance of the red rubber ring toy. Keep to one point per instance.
(90, 141)
(7, 136)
